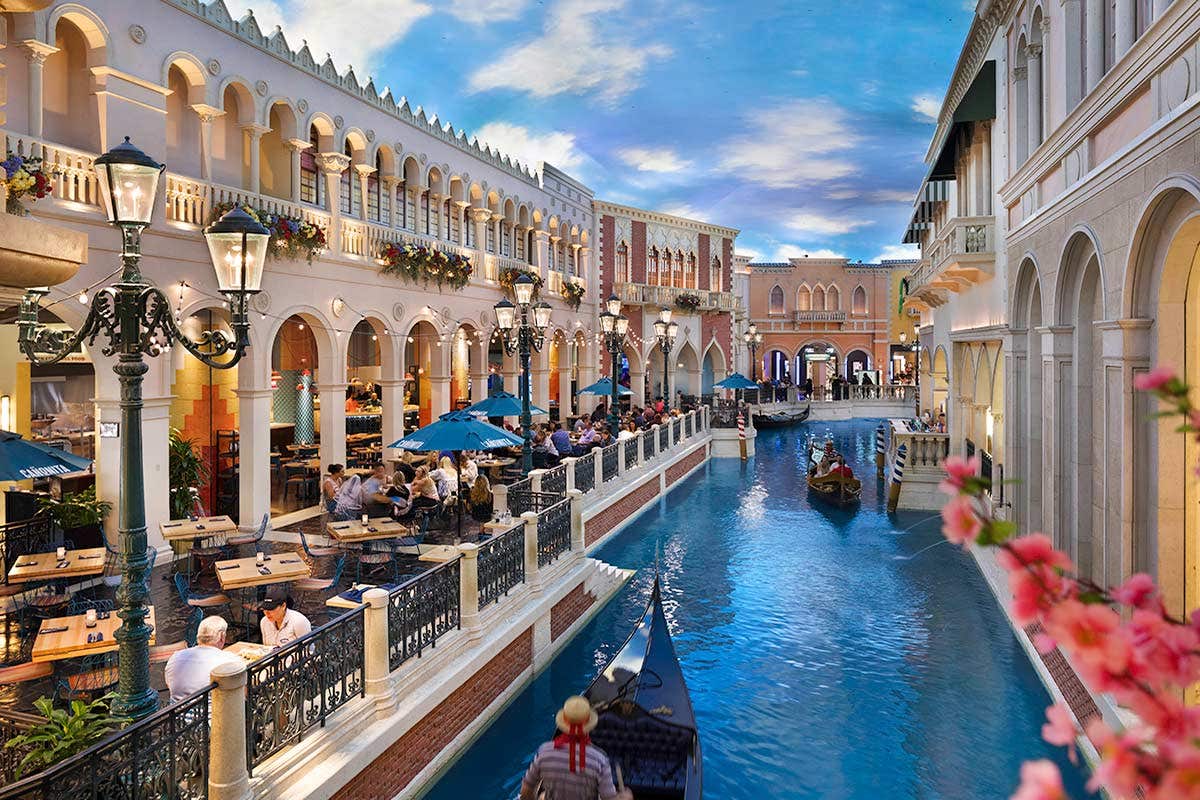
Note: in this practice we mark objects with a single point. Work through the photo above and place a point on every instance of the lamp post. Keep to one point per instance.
(136, 319)
(666, 331)
(614, 325)
(523, 339)
(753, 339)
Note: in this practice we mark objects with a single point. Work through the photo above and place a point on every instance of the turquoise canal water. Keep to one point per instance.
(829, 654)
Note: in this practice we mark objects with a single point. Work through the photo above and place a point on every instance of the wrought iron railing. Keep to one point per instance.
(648, 444)
(554, 481)
(520, 502)
(725, 414)
(631, 452)
(298, 686)
(501, 564)
(13, 724)
(687, 427)
(423, 610)
(664, 437)
(609, 466)
(164, 757)
(677, 428)
(585, 472)
(554, 532)
(23, 538)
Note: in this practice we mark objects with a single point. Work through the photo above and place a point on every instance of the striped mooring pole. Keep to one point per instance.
(880, 449)
(742, 435)
(897, 477)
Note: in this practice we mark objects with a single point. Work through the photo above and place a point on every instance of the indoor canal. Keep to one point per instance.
(829, 654)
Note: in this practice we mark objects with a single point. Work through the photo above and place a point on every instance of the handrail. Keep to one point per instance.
(553, 532)
(501, 564)
(422, 610)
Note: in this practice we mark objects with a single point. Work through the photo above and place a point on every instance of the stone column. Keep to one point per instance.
(578, 544)
(333, 422)
(468, 587)
(228, 778)
(375, 646)
(598, 464)
(36, 54)
(392, 390)
(389, 188)
(254, 455)
(585, 267)
(541, 252)
(332, 165)
(479, 218)
(568, 463)
(539, 389)
(1057, 352)
(497, 233)
(499, 499)
(296, 146)
(253, 134)
(479, 371)
(207, 114)
(364, 172)
(533, 577)
(1094, 57)
(1034, 84)
(439, 385)
(1125, 27)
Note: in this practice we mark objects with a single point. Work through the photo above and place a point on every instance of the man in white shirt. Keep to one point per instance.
(190, 670)
(281, 625)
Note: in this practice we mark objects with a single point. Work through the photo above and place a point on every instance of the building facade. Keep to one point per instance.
(1059, 233)
(240, 116)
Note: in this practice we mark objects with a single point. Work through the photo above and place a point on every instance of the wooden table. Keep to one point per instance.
(337, 601)
(73, 643)
(440, 554)
(43, 566)
(243, 572)
(176, 530)
(249, 650)
(353, 530)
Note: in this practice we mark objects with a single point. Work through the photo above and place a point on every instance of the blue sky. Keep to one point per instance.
(803, 123)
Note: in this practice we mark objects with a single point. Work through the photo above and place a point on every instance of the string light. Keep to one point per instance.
(83, 297)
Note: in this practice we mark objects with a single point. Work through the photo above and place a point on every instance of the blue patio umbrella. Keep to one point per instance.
(736, 381)
(501, 404)
(603, 388)
(457, 431)
(22, 460)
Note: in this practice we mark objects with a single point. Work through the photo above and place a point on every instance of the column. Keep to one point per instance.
(332, 165)
(439, 385)
(228, 778)
(207, 114)
(1094, 57)
(389, 188)
(479, 218)
(1125, 27)
(364, 171)
(578, 545)
(532, 578)
(375, 647)
(554, 264)
(541, 251)
(539, 389)
(254, 454)
(392, 390)
(479, 371)
(1034, 65)
(497, 238)
(253, 134)
(1056, 362)
(296, 146)
(36, 53)
(585, 267)
(464, 218)
(468, 586)
(333, 422)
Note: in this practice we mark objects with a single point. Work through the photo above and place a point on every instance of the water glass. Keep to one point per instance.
(61, 553)
(365, 521)
(90, 618)
(259, 557)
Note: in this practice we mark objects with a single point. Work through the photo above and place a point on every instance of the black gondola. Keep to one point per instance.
(841, 491)
(778, 419)
(646, 724)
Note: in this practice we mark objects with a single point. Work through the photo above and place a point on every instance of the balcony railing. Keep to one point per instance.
(961, 255)
(645, 294)
(819, 316)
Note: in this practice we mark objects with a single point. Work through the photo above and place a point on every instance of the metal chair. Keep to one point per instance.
(371, 562)
(306, 587)
(90, 676)
(297, 476)
(162, 652)
(232, 543)
(196, 599)
(314, 553)
(81, 605)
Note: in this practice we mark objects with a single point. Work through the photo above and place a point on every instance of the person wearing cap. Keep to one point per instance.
(280, 623)
(570, 767)
(190, 670)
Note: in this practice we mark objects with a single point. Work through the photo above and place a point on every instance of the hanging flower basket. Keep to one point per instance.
(425, 265)
(25, 177)
(509, 276)
(572, 294)
(687, 302)
(292, 238)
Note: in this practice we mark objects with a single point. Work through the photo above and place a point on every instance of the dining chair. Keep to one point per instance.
(195, 599)
(305, 588)
(372, 562)
(233, 543)
(295, 476)
(87, 677)
(315, 552)
(162, 652)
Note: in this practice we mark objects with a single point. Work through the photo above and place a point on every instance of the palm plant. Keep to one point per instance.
(63, 733)
(186, 471)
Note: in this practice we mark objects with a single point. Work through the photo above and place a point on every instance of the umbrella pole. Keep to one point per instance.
(458, 471)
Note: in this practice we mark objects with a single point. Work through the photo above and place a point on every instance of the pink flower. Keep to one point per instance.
(1060, 728)
(1138, 591)
(958, 469)
(1032, 550)
(1040, 780)
(1088, 633)
(1155, 380)
(960, 523)
(1118, 768)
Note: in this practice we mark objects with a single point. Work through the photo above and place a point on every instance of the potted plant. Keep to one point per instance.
(687, 301)
(186, 473)
(63, 733)
(572, 294)
(79, 516)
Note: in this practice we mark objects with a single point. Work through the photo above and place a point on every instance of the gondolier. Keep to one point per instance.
(570, 767)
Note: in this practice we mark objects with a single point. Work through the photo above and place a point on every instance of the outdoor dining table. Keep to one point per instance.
(177, 530)
(243, 573)
(249, 651)
(353, 530)
(439, 554)
(53, 644)
(47, 567)
(345, 600)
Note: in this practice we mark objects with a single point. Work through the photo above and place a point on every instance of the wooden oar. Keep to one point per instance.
(620, 779)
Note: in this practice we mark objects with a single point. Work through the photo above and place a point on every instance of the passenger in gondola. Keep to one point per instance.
(841, 469)
(570, 767)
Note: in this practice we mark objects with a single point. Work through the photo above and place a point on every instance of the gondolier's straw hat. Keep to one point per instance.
(576, 711)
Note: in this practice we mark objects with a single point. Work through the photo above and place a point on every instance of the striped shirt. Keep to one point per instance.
(552, 769)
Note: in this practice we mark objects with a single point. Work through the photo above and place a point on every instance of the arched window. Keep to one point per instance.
(775, 305)
(714, 275)
(833, 298)
(622, 268)
(690, 275)
(375, 196)
(652, 267)
(859, 301)
(678, 280)
(818, 299)
(310, 178)
(804, 298)
(349, 184)
(425, 221)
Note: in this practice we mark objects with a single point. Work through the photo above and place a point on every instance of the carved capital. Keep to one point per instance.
(1020, 73)
(254, 131)
(1033, 50)
(37, 52)
(207, 113)
(480, 214)
(364, 170)
(299, 145)
(335, 163)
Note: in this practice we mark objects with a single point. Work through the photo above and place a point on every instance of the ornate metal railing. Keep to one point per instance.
(677, 428)
(585, 472)
(423, 610)
(297, 687)
(554, 481)
(164, 757)
(23, 538)
(501, 564)
(13, 723)
(687, 427)
(631, 452)
(664, 438)
(609, 466)
(554, 532)
(648, 444)
(725, 414)
(520, 502)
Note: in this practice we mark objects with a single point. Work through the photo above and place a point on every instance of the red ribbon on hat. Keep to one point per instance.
(574, 738)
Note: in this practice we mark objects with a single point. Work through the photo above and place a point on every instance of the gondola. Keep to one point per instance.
(778, 419)
(837, 490)
(646, 725)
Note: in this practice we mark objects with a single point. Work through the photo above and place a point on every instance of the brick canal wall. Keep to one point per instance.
(569, 609)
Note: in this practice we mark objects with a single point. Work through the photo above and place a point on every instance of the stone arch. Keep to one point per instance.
(70, 111)
(804, 297)
(229, 163)
(1028, 405)
(858, 300)
(833, 298)
(194, 74)
(713, 367)
(185, 79)
(355, 141)
(1081, 245)
(93, 29)
(325, 129)
(939, 373)
(274, 152)
(775, 304)
(247, 106)
(857, 356)
(687, 370)
(818, 298)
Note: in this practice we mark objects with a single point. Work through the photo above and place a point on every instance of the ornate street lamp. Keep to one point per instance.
(136, 319)
(614, 325)
(753, 339)
(522, 339)
(666, 330)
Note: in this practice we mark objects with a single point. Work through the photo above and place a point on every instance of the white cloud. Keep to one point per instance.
(662, 159)
(842, 194)
(482, 12)
(338, 28)
(898, 252)
(516, 141)
(822, 225)
(927, 106)
(571, 55)
(784, 252)
(892, 196)
(682, 210)
(792, 144)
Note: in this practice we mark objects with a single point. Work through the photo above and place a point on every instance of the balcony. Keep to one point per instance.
(963, 254)
(819, 316)
(643, 294)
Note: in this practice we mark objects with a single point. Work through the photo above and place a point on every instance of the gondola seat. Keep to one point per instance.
(653, 755)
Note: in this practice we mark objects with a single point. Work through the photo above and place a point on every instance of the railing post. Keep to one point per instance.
(532, 575)
(499, 499)
(620, 443)
(641, 445)
(658, 448)
(535, 479)
(569, 465)
(598, 464)
(577, 541)
(468, 586)
(375, 643)
(671, 432)
(228, 777)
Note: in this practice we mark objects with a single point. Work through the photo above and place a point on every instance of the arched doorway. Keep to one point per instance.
(776, 366)
(712, 368)
(364, 393)
(294, 414)
(857, 361)
(1028, 406)
(687, 372)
